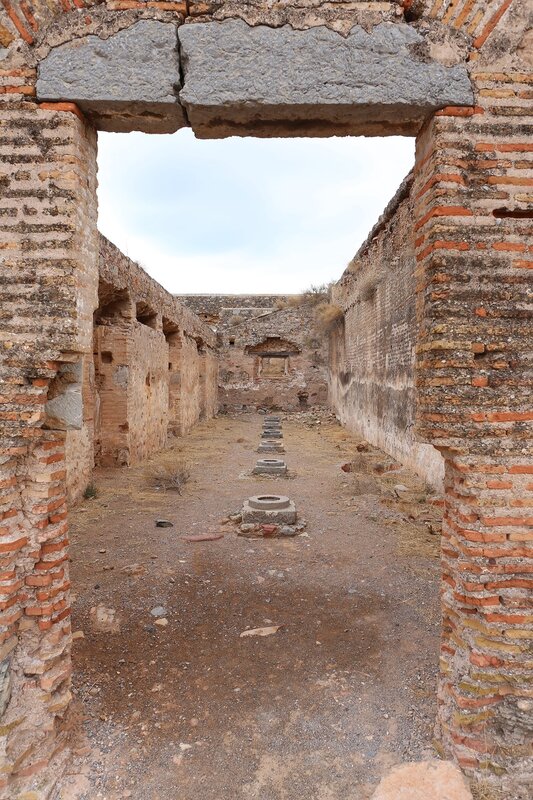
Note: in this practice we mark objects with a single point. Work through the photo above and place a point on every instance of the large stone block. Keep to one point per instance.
(280, 82)
(127, 82)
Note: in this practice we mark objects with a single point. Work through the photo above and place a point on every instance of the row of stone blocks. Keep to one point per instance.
(226, 77)
(271, 508)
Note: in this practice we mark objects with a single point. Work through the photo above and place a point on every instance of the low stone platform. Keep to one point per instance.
(270, 466)
(271, 447)
(269, 508)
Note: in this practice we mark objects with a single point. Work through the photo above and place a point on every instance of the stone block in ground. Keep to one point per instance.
(269, 509)
(270, 466)
(272, 434)
(271, 447)
(104, 620)
(242, 80)
(127, 82)
(438, 780)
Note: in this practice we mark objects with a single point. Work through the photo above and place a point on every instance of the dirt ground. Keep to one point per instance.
(192, 711)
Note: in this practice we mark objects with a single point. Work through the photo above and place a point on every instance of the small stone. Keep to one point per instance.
(163, 523)
(133, 569)
(78, 635)
(162, 622)
(104, 620)
(287, 530)
(249, 530)
(438, 780)
(158, 611)
(400, 488)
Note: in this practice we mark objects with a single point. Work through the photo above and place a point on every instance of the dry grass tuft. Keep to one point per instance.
(328, 316)
(369, 287)
(484, 790)
(169, 477)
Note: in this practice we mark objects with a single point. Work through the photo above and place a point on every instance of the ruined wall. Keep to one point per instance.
(222, 311)
(276, 361)
(111, 445)
(470, 107)
(191, 403)
(372, 356)
(211, 383)
(79, 443)
(148, 392)
(48, 293)
(133, 392)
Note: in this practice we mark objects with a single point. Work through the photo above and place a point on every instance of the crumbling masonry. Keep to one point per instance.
(455, 74)
(273, 353)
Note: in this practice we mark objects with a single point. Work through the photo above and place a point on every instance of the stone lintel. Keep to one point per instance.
(128, 82)
(261, 81)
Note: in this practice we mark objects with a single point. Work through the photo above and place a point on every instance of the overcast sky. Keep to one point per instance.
(244, 215)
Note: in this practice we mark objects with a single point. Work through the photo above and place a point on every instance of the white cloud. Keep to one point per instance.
(244, 215)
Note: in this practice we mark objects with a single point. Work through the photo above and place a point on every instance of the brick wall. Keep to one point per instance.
(372, 381)
(249, 379)
(148, 379)
(473, 250)
(472, 212)
(48, 292)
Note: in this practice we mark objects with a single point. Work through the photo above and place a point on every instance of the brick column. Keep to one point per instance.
(473, 242)
(48, 293)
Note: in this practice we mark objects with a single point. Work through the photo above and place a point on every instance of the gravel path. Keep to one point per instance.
(319, 710)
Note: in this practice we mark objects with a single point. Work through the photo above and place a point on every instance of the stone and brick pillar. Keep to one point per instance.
(474, 256)
(48, 293)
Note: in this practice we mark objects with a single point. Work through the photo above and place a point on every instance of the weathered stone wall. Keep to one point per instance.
(212, 363)
(111, 359)
(224, 310)
(131, 397)
(372, 354)
(472, 219)
(48, 293)
(153, 381)
(276, 361)
(191, 403)
(79, 444)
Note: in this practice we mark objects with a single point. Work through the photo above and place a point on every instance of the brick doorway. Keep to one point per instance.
(471, 228)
